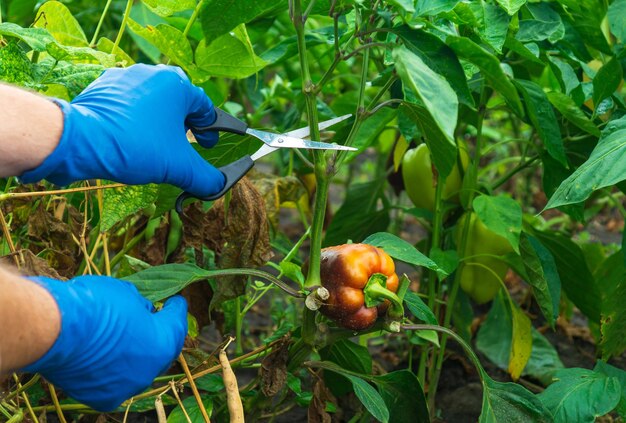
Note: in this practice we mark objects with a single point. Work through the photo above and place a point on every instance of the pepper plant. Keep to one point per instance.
(490, 137)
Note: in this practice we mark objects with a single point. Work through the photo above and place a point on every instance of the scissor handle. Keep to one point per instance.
(225, 123)
(232, 172)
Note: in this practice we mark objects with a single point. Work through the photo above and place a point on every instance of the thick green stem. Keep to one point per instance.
(129, 6)
(379, 292)
(433, 285)
(97, 31)
(317, 225)
(194, 16)
(319, 159)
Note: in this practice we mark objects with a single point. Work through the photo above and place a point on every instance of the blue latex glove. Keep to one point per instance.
(111, 344)
(130, 126)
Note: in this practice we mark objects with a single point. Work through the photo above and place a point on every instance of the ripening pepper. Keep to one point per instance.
(420, 181)
(480, 271)
(345, 271)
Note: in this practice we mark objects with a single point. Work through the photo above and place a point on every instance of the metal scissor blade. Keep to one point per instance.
(305, 131)
(284, 141)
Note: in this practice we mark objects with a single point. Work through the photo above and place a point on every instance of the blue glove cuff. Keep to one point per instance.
(61, 350)
(59, 160)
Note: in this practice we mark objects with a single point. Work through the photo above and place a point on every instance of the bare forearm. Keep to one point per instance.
(29, 321)
(30, 131)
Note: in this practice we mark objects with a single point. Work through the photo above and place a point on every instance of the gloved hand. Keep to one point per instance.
(130, 126)
(111, 344)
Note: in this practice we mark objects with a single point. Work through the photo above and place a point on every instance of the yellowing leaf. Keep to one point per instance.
(398, 152)
(522, 342)
(58, 20)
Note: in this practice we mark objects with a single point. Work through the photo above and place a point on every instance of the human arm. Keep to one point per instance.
(95, 337)
(128, 126)
(29, 320)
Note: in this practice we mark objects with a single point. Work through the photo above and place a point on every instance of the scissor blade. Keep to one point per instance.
(305, 131)
(284, 141)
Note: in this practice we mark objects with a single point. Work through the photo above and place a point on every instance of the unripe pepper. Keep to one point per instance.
(419, 177)
(481, 272)
(345, 272)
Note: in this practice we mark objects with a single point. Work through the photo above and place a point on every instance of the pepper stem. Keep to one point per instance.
(376, 291)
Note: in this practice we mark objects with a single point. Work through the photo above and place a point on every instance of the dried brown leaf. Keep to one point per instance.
(274, 368)
(317, 407)
(276, 191)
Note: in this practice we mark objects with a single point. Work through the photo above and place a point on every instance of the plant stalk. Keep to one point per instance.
(97, 31)
(129, 6)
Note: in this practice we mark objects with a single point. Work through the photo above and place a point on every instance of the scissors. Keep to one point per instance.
(236, 170)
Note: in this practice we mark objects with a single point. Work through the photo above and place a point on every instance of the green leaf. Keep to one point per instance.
(568, 108)
(404, 397)
(15, 67)
(370, 398)
(193, 410)
(542, 116)
(501, 215)
(170, 41)
(228, 56)
(401, 250)
(489, 66)
(510, 402)
(586, 20)
(230, 148)
(36, 38)
(120, 203)
(494, 339)
(159, 282)
(406, 6)
(443, 153)
(511, 6)
(419, 309)
(617, 19)
(74, 76)
(547, 25)
(620, 375)
(581, 395)
(493, 24)
(359, 215)
(447, 260)
(349, 356)
(542, 275)
(576, 278)
(437, 56)
(169, 7)
(211, 383)
(436, 96)
(220, 16)
(58, 20)
(611, 279)
(606, 80)
(605, 167)
(60, 52)
(434, 7)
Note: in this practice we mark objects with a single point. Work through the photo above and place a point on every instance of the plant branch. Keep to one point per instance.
(97, 31)
(129, 5)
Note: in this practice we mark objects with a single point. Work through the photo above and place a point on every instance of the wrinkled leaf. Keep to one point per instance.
(119, 203)
(511, 6)
(581, 395)
(36, 38)
(510, 403)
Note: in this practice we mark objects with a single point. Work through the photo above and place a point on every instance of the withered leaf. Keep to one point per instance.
(238, 233)
(274, 368)
(276, 191)
(36, 266)
(317, 407)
